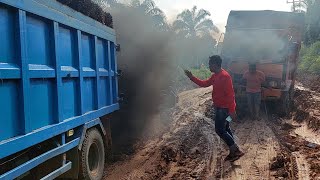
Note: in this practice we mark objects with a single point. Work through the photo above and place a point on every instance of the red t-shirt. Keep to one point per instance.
(222, 93)
(254, 81)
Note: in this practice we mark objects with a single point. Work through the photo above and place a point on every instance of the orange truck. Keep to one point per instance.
(272, 41)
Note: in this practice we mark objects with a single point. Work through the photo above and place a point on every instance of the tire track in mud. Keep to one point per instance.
(258, 142)
(260, 149)
(302, 166)
(298, 151)
(306, 117)
(295, 164)
(265, 142)
(194, 151)
(224, 168)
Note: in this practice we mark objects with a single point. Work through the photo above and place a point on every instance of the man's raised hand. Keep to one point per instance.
(188, 73)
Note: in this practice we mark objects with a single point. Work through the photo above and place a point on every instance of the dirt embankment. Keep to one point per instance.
(307, 106)
(312, 81)
(180, 153)
(299, 133)
(192, 150)
(307, 116)
(275, 148)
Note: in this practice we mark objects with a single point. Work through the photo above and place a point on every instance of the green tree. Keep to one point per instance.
(310, 58)
(312, 19)
(312, 22)
(300, 6)
(191, 23)
(149, 7)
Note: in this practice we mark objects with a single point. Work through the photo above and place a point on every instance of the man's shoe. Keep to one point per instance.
(235, 156)
(228, 157)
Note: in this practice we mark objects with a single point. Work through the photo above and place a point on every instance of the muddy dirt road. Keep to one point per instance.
(275, 148)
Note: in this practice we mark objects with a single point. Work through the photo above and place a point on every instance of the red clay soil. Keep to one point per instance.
(275, 148)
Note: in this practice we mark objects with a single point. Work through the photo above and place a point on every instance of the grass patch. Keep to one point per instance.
(310, 59)
(202, 73)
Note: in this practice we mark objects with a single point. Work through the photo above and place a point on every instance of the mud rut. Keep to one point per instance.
(260, 145)
(274, 148)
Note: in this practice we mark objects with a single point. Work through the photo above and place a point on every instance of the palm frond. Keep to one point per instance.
(203, 32)
(186, 16)
(202, 14)
(148, 5)
(193, 23)
(135, 3)
(155, 11)
(179, 25)
(159, 19)
(194, 10)
(207, 24)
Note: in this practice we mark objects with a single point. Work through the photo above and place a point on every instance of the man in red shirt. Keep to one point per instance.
(254, 79)
(224, 102)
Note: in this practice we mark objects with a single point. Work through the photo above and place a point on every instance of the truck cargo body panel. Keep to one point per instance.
(57, 72)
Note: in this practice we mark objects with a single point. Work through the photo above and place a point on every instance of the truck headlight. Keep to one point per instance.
(273, 84)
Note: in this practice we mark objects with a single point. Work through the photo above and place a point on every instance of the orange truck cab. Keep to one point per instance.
(272, 41)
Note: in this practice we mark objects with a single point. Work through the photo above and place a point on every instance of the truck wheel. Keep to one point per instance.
(291, 97)
(92, 156)
(285, 105)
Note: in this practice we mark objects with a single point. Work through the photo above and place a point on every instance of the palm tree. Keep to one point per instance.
(301, 6)
(107, 3)
(313, 21)
(191, 23)
(149, 8)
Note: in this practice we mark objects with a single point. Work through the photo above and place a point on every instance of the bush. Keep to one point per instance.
(310, 59)
(202, 73)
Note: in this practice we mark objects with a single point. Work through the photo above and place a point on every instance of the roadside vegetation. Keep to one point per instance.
(310, 52)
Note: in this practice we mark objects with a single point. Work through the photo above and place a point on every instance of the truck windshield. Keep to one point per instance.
(255, 45)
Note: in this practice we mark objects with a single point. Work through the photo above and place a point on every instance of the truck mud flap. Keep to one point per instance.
(89, 125)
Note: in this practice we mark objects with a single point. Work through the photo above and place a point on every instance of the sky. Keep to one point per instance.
(220, 9)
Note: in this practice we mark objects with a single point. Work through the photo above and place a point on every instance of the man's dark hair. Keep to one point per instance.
(216, 60)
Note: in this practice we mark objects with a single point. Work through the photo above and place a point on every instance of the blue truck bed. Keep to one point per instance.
(57, 72)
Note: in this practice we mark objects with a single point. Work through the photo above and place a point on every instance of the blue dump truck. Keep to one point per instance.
(58, 86)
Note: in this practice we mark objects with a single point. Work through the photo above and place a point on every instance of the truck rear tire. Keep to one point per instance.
(92, 156)
(285, 104)
(291, 96)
